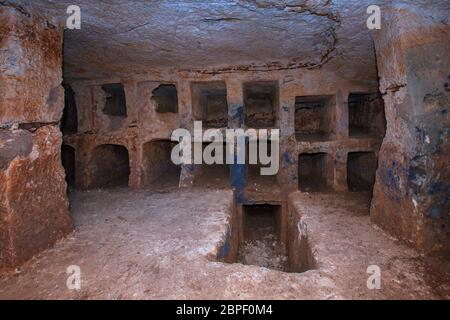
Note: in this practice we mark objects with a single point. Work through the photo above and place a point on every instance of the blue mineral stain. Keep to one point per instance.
(238, 176)
(237, 115)
(391, 179)
(435, 187)
(238, 180)
(412, 173)
(240, 197)
(444, 133)
(287, 158)
(417, 174)
(441, 192)
(190, 168)
(434, 213)
(225, 249)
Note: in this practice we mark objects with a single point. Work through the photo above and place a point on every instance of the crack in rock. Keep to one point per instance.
(294, 63)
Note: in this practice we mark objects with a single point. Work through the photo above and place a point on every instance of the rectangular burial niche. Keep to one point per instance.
(159, 171)
(313, 172)
(314, 118)
(166, 98)
(255, 180)
(361, 169)
(115, 104)
(261, 244)
(261, 104)
(213, 175)
(209, 103)
(109, 166)
(366, 115)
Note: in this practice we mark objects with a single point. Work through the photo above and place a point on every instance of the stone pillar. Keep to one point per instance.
(235, 97)
(131, 94)
(236, 114)
(411, 193)
(33, 200)
(135, 159)
(84, 97)
(82, 158)
(341, 113)
(186, 121)
(288, 174)
(185, 104)
(340, 170)
(134, 148)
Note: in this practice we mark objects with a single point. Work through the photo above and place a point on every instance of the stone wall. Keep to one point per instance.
(411, 197)
(33, 201)
(144, 124)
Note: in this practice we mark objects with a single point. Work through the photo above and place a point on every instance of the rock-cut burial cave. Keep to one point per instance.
(356, 103)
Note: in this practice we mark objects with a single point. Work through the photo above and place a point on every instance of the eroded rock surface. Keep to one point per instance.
(128, 37)
(30, 68)
(33, 201)
(411, 197)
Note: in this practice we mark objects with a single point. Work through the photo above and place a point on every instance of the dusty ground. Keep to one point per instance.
(146, 245)
(345, 243)
(261, 244)
(265, 252)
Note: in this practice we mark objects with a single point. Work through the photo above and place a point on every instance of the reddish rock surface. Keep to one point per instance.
(312, 58)
(411, 196)
(33, 201)
(30, 68)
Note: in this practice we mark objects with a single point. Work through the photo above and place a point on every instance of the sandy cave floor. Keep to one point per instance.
(145, 245)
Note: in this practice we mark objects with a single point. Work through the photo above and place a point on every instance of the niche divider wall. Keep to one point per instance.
(145, 124)
(336, 146)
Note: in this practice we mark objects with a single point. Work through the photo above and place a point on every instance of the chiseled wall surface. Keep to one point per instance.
(411, 196)
(411, 192)
(143, 124)
(33, 201)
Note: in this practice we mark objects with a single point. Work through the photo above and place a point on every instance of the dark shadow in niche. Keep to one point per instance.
(261, 104)
(68, 162)
(313, 172)
(109, 166)
(361, 169)
(209, 103)
(314, 119)
(366, 115)
(69, 120)
(159, 170)
(213, 175)
(166, 98)
(115, 104)
(257, 181)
